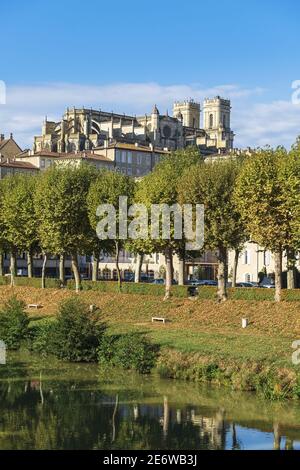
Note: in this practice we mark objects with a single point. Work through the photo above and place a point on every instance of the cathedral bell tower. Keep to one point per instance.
(216, 113)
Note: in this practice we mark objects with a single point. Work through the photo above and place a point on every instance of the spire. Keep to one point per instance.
(155, 110)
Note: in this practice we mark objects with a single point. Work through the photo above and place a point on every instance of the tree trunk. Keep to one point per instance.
(29, 264)
(75, 269)
(117, 247)
(95, 267)
(44, 271)
(13, 268)
(235, 266)
(62, 269)
(168, 259)
(1, 264)
(181, 270)
(277, 436)
(138, 267)
(278, 271)
(291, 261)
(222, 274)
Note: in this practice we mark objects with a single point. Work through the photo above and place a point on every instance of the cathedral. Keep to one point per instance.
(89, 129)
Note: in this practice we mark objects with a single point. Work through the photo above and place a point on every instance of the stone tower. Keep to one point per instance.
(216, 112)
(189, 112)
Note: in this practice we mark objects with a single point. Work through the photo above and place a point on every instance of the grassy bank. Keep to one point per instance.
(202, 340)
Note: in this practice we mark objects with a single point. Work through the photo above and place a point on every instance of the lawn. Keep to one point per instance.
(194, 326)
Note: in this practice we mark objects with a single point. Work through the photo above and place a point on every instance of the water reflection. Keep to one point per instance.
(57, 406)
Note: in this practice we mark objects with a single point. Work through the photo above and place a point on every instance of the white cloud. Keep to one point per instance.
(255, 123)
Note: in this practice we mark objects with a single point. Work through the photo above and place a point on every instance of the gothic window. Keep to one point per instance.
(211, 121)
(194, 123)
(224, 120)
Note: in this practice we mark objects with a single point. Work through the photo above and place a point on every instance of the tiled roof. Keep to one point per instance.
(17, 164)
(137, 148)
(5, 141)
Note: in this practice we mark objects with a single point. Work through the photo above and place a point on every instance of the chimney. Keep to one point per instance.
(1, 137)
(11, 136)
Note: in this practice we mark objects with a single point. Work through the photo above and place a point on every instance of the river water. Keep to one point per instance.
(52, 405)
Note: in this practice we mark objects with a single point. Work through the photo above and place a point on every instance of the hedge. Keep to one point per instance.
(250, 293)
(50, 282)
(130, 288)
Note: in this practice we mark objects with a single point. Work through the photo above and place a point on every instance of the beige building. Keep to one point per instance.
(253, 260)
(85, 129)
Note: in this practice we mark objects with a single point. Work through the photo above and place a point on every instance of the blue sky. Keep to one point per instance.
(127, 55)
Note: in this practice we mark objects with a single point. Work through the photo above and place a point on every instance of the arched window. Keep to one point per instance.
(224, 120)
(211, 121)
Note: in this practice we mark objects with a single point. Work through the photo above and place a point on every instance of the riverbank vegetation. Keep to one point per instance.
(202, 340)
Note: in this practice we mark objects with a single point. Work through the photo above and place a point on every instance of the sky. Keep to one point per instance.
(127, 56)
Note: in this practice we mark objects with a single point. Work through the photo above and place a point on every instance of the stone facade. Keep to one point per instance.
(8, 147)
(87, 129)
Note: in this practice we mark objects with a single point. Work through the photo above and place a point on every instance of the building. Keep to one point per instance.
(86, 129)
(8, 147)
(133, 145)
(253, 260)
(12, 167)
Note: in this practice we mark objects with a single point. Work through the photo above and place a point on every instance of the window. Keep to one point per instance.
(224, 120)
(123, 158)
(129, 157)
(211, 120)
(246, 257)
(266, 258)
(118, 156)
(247, 277)
(42, 163)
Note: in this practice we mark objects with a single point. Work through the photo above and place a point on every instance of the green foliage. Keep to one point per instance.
(130, 288)
(31, 281)
(42, 337)
(18, 219)
(50, 282)
(251, 294)
(73, 336)
(130, 351)
(60, 204)
(13, 323)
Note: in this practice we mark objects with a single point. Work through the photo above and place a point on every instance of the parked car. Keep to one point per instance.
(205, 282)
(158, 281)
(245, 284)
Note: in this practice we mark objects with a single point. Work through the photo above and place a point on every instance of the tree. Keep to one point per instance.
(290, 168)
(212, 184)
(18, 215)
(161, 187)
(61, 208)
(107, 188)
(267, 194)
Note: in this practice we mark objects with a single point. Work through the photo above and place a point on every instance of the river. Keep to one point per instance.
(46, 404)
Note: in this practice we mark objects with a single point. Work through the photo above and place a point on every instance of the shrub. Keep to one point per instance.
(42, 337)
(130, 288)
(50, 282)
(13, 323)
(129, 351)
(73, 336)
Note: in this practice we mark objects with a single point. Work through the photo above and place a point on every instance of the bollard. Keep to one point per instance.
(244, 322)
